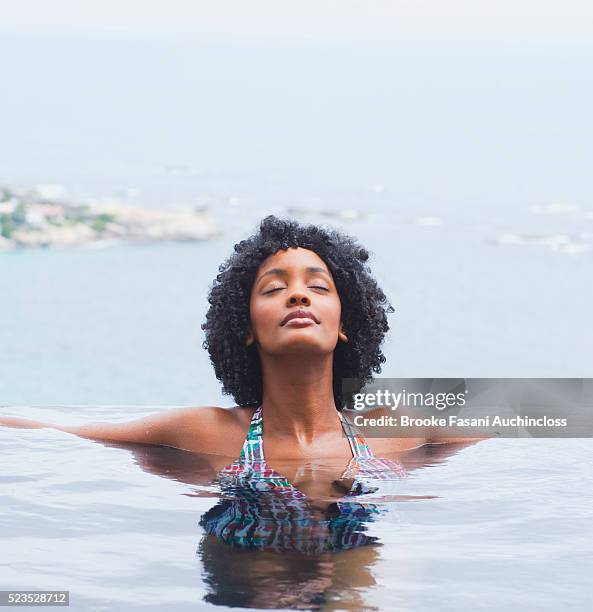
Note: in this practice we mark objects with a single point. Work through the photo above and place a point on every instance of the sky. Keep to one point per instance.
(470, 116)
(565, 20)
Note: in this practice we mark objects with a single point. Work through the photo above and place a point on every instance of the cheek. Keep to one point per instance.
(331, 313)
(261, 315)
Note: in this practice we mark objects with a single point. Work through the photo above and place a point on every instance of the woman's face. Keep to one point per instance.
(288, 282)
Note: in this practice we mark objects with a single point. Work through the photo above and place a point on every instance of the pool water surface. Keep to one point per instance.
(501, 524)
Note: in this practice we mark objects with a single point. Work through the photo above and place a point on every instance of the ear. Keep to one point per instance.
(249, 340)
(341, 335)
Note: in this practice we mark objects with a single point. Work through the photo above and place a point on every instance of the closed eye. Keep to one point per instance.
(279, 288)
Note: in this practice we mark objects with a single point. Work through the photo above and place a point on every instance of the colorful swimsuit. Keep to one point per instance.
(262, 510)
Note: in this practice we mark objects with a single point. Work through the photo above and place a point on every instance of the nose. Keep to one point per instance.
(299, 297)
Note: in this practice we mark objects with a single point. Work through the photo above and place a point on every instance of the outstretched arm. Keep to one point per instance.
(22, 423)
(165, 428)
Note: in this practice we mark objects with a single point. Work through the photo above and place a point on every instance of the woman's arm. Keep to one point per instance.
(165, 429)
(22, 423)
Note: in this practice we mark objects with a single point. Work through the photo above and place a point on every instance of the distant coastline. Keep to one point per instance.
(39, 217)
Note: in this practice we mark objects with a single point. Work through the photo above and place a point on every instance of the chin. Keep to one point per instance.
(303, 345)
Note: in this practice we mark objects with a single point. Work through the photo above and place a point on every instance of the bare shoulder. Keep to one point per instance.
(210, 429)
(213, 415)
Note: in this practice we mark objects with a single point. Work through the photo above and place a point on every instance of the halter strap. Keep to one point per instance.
(360, 449)
(253, 447)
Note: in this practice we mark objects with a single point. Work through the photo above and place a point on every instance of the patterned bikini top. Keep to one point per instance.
(252, 461)
(253, 447)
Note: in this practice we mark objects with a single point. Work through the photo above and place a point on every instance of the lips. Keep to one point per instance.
(299, 314)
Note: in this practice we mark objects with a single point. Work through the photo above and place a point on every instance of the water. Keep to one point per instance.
(122, 325)
(496, 525)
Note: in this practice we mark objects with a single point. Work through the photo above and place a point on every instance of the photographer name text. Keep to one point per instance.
(458, 421)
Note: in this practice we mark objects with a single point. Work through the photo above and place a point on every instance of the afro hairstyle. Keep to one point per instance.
(364, 309)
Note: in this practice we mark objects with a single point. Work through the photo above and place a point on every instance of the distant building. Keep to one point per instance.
(7, 208)
(38, 214)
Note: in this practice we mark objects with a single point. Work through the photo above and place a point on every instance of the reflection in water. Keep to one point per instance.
(290, 580)
(269, 545)
(283, 521)
(261, 515)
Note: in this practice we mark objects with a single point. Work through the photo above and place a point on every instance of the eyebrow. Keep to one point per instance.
(283, 272)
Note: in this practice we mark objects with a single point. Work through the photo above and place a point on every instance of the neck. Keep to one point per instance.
(298, 398)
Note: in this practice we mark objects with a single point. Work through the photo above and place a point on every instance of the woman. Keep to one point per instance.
(293, 311)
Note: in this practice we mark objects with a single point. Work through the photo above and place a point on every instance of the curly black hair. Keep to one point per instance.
(364, 309)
